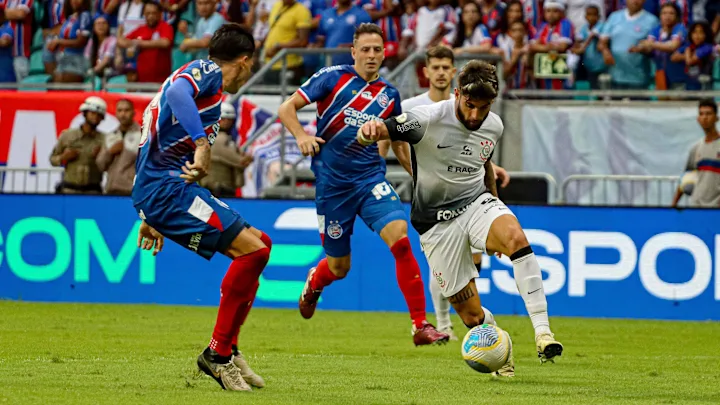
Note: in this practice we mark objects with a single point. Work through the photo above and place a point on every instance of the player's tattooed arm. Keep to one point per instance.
(200, 167)
(490, 178)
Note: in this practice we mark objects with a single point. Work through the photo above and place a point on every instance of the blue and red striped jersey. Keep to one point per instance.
(345, 101)
(164, 144)
(22, 29)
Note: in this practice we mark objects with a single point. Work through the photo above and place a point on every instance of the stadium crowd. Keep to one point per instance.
(662, 44)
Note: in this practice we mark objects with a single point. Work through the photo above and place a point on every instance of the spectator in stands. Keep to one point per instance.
(71, 42)
(149, 47)
(289, 27)
(704, 158)
(386, 14)
(313, 63)
(662, 42)
(54, 19)
(171, 9)
(228, 163)
(427, 29)
(207, 23)
(130, 16)
(556, 35)
(492, 14)
(77, 149)
(100, 50)
(513, 12)
(471, 36)
(516, 66)
(337, 28)
(19, 13)
(7, 73)
(697, 53)
(120, 149)
(577, 9)
(110, 9)
(592, 64)
(623, 30)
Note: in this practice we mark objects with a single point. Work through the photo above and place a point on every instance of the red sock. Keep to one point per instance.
(323, 276)
(409, 280)
(237, 292)
(242, 315)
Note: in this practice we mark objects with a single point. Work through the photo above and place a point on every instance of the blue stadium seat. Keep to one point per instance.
(122, 79)
(39, 78)
(36, 63)
(37, 42)
(582, 85)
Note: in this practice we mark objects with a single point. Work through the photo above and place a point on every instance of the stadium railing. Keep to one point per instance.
(30, 180)
(618, 190)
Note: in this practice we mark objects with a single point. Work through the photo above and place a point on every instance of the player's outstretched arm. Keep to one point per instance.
(371, 132)
(309, 145)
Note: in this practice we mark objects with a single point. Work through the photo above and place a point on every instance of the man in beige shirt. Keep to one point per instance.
(120, 151)
(228, 163)
(77, 149)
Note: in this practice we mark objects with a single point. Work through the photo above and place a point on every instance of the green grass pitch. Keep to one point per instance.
(145, 354)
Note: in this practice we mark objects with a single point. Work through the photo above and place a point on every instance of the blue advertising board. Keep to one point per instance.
(597, 262)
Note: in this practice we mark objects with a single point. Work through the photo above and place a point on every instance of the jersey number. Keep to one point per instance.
(148, 121)
(381, 190)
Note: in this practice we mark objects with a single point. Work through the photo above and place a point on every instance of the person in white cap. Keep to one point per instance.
(556, 35)
(228, 162)
(77, 149)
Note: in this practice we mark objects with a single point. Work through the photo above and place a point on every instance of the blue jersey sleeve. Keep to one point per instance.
(180, 99)
(679, 32)
(204, 76)
(6, 31)
(319, 85)
(397, 108)
(654, 33)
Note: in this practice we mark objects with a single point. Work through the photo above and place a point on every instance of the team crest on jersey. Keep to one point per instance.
(383, 100)
(334, 230)
(486, 148)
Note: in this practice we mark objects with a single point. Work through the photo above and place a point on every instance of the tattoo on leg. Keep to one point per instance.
(464, 295)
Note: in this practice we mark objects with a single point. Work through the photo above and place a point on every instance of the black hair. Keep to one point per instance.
(460, 28)
(439, 52)
(68, 9)
(367, 28)
(504, 25)
(709, 37)
(708, 102)
(676, 8)
(478, 80)
(126, 100)
(230, 42)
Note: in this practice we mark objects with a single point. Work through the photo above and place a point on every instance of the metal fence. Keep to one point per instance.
(30, 180)
(619, 190)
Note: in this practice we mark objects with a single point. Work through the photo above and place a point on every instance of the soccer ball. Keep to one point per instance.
(486, 348)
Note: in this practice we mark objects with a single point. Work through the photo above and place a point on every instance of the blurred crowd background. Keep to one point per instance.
(631, 44)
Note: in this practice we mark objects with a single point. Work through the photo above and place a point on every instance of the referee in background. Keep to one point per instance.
(704, 159)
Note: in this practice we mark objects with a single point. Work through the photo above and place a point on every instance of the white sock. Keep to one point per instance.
(528, 278)
(441, 304)
(489, 318)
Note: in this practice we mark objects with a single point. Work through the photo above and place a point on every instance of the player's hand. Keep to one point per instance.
(310, 145)
(193, 172)
(502, 175)
(150, 239)
(371, 132)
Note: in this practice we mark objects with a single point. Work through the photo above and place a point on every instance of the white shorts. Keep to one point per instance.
(448, 245)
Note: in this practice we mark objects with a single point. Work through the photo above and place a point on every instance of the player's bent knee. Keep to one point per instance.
(394, 231)
(339, 266)
(516, 240)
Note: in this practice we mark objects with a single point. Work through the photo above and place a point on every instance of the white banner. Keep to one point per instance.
(564, 141)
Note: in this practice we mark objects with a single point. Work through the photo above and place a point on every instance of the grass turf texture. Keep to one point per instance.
(131, 354)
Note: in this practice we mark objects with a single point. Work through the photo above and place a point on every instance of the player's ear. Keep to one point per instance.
(426, 72)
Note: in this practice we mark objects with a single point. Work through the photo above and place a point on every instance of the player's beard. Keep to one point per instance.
(462, 119)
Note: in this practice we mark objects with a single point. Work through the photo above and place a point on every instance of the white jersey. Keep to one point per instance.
(448, 160)
(422, 99)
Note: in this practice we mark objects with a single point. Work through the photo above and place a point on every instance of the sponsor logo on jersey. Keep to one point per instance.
(208, 67)
(408, 126)
(383, 100)
(195, 242)
(467, 151)
(334, 230)
(458, 169)
(357, 118)
(446, 215)
(401, 118)
(366, 95)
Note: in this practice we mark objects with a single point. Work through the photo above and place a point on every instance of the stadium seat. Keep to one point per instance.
(36, 63)
(179, 58)
(97, 83)
(37, 78)
(716, 70)
(122, 79)
(37, 42)
(582, 85)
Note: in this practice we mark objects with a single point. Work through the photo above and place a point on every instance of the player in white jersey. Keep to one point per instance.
(440, 71)
(455, 205)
